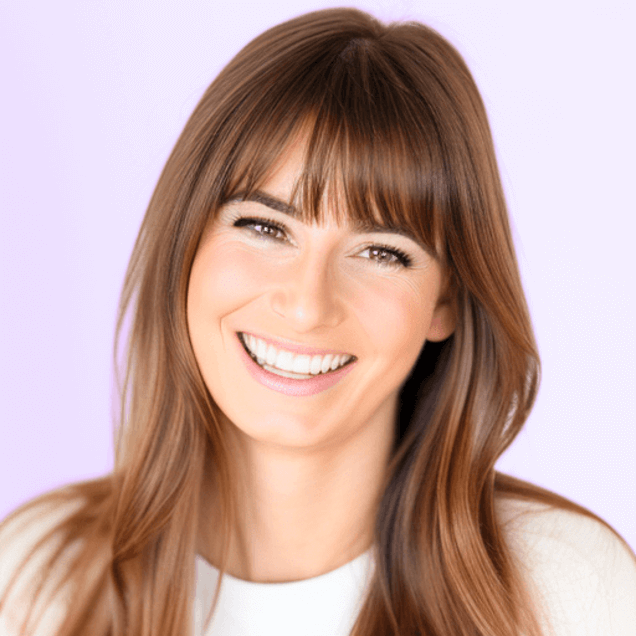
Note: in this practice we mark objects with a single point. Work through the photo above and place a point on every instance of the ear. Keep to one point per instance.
(445, 315)
(443, 322)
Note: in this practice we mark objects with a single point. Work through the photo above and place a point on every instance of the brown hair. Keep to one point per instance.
(397, 125)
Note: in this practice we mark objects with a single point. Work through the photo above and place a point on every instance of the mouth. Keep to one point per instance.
(289, 364)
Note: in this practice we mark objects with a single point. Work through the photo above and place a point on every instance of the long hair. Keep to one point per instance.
(396, 126)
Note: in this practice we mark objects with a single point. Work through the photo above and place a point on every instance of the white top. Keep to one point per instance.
(582, 578)
(320, 606)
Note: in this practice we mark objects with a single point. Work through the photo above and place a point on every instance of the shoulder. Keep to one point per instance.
(20, 536)
(580, 574)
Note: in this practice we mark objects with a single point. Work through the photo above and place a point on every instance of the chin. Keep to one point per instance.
(284, 429)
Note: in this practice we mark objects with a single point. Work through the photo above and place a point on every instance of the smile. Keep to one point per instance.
(290, 364)
(289, 382)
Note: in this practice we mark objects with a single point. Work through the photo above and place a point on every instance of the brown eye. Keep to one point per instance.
(266, 229)
(382, 256)
(386, 256)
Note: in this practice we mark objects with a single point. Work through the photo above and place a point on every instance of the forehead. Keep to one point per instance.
(284, 176)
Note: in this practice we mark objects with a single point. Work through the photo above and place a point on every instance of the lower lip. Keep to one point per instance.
(290, 386)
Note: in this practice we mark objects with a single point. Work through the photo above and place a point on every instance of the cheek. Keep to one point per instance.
(396, 316)
(223, 279)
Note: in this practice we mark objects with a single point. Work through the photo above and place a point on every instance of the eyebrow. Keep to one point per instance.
(279, 205)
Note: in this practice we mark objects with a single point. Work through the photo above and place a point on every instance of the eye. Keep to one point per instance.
(263, 228)
(386, 256)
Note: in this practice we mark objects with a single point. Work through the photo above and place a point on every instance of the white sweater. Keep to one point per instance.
(583, 579)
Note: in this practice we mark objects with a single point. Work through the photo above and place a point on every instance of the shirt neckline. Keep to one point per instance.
(358, 566)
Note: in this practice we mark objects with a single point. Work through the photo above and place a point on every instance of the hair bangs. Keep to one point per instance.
(369, 156)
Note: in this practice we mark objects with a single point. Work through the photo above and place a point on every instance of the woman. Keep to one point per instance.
(329, 348)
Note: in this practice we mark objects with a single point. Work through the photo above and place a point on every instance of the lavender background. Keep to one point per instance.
(94, 95)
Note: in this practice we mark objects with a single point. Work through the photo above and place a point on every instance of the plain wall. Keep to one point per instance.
(94, 96)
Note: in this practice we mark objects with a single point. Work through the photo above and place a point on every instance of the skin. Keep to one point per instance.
(310, 469)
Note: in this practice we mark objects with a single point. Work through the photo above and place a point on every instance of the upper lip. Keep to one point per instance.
(296, 347)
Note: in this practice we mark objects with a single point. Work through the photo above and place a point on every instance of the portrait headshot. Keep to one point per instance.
(317, 320)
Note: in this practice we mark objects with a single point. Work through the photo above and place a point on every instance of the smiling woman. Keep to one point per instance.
(329, 350)
(362, 302)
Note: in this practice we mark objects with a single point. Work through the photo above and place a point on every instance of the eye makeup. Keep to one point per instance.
(255, 223)
(272, 230)
(402, 258)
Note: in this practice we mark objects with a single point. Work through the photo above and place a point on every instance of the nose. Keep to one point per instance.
(308, 295)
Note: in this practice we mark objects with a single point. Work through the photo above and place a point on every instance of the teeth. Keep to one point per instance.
(261, 351)
(286, 361)
(326, 363)
(287, 374)
(301, 364)
(316, 365)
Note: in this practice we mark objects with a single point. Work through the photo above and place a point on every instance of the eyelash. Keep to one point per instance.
(403, 259)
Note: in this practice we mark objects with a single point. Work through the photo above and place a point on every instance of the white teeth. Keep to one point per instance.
(326, 363)
(287, 374)
(301, 364)
(284, 361)
(315, 366)
(269, 356)
(257, 350)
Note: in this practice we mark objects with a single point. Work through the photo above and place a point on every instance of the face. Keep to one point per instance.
(305, 333)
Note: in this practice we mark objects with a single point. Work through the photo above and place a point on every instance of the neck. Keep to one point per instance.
(299, 512)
